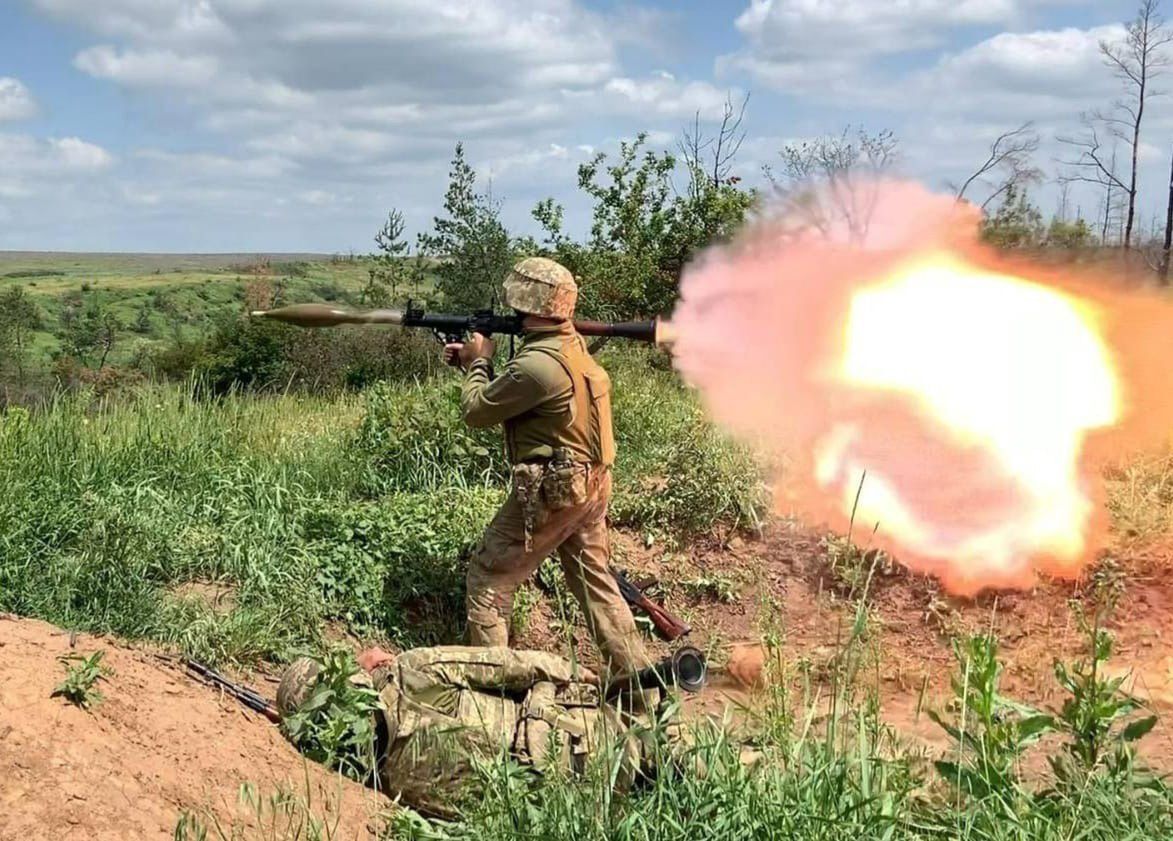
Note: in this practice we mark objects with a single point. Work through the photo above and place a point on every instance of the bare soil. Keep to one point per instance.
(159, 744)
(784, 586)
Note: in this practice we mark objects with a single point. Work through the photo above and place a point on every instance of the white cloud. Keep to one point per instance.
(665, 96)
(147, 68)
(41, 172)
(21, 155)
(1031, 74)
(808, 46)
(16, 103)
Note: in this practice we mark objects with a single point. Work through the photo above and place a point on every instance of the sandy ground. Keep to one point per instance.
(157, 745)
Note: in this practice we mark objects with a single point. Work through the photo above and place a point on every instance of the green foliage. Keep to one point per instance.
(257, 355)
(416, 440)
(1097, 716)
(243, 353)
(89, 333)
(719, 587)
(360, 509)
(22, 273)
(389, 272)
(335, 725)
(675, 470)
(473, 248)
(81, 678)
(992, 732)
(1064, 234)
(642, 231)
(1015, 224)
(19, 317)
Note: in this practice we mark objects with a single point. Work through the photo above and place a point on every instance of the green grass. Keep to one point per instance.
(359, 508)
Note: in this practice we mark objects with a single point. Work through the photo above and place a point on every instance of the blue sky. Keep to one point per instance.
(265, 125)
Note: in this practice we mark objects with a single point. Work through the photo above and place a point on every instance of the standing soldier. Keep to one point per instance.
(555, 404)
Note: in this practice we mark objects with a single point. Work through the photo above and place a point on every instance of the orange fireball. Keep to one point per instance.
(919, 384)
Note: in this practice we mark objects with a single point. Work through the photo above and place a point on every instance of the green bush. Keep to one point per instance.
(675, 470)
(335, 723)
(415, 440)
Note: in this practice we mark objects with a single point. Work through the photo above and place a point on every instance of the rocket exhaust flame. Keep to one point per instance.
(982, 397)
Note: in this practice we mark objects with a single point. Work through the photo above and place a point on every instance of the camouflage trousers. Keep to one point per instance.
(521, 536)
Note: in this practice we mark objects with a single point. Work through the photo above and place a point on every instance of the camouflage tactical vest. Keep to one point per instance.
(585, 431)
(437, 732)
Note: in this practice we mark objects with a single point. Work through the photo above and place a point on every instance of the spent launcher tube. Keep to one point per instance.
(452, 328)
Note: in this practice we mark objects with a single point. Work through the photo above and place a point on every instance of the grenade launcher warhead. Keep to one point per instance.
(453, 328)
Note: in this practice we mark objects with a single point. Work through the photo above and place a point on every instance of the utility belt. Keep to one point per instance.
(543, 486)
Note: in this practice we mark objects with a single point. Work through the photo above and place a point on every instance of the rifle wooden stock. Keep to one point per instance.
(670, 627)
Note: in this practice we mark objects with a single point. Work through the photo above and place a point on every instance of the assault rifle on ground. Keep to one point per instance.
(249, 697)
(670, 627)
(453, 328)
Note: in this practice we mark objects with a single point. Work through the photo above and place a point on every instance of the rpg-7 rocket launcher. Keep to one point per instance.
(453, 328)
(685, 668)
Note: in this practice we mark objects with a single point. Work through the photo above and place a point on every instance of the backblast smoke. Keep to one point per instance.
(971, 400)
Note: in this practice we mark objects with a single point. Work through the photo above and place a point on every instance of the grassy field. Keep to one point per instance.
(252, 527)
(159, 298)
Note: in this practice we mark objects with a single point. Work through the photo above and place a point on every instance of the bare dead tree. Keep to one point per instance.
(1064, 200)
(1137, 60)
(1092, 165)
(847, 168)
(1011, 158)
(712, 156)
(1168, 247)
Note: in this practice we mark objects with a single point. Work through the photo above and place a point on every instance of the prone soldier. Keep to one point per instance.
(447, 707)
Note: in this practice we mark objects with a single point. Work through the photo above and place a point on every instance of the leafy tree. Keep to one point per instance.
(388, 270)
(1016, 224)
(19, 317)
(469, 240)
(89, 334)
(1064, 234)
(644, 231)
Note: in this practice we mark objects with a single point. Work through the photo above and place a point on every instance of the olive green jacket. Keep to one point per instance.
(551, 395)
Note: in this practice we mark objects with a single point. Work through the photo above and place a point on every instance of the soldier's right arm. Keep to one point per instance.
(524, 383)
(488, 668)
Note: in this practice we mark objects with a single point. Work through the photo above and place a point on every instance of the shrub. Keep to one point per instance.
(335, 724)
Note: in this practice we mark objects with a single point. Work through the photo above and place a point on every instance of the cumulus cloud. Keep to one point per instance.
(16, 103)
(147, 68)
(1035, 74)
(664, 95)
(66, 157)
(30, 165)
(355, 82)
(806, 46)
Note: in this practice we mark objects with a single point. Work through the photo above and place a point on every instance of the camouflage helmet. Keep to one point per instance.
(540, 286)
(296, 682)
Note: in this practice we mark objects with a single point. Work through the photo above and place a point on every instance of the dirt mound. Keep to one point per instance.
(158, 745)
